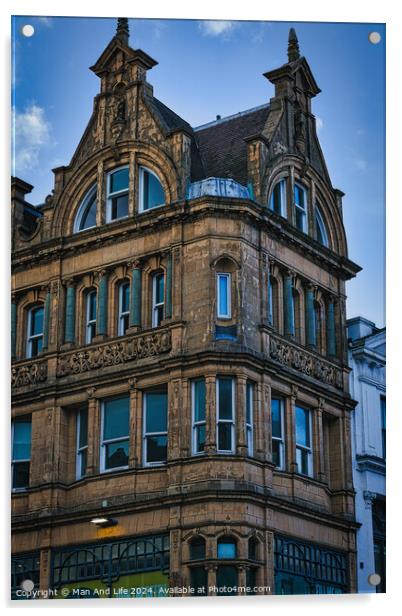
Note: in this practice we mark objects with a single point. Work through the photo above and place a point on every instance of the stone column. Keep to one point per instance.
(318, 443)
(347, 450)
(93, 433)
(210, 410)
(240, 414)
(132, 457)
(69, 331)
(242, 577)
(101, 316)
(290, 422)
(168, 292)
(46, 319)
(211, 579)
(13, 328)
(288, 305)
(45, 559)
(311, 338)
(331, 338)
(135, 303)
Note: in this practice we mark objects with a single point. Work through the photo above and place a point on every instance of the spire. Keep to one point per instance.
(122, 31)
(293, 46)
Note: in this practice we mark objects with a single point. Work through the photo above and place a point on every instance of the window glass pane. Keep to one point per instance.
(223, 282)
(199, 400)
(153, 193)
(226, 580)
(118, 180)
(91, 306)
(156, 412)
(125, 297)
(37, 321)
(159, 288)
(199, 580)
(89, 215)
(302, 427)
(36, 346)
(225, 437)
(119, 206)
(300, 196)
(226, 548)
(276, 453)
(116, 418)
(225, 398)
(156, 448)
(83, 432)
(200, 438)
(197, 549)
(299, 219)
(116, 454)
(22, 440)
(20, 475)
(276, 417)
(83, 463)
(249, 405)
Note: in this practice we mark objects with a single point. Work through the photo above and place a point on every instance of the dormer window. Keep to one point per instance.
(277, 201)
(117, 194)
(86, 215)
(321, 234)
(150, 190)
(300, 202)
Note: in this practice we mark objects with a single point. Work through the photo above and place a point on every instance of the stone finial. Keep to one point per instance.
(293, 46)
(122, 31)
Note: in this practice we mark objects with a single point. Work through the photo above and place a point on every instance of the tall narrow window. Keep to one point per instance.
(124, 308)
(321, 234)
(115, 433)
(199, 420)
(21, 454)
(117, 194)
(90, 317)
(151, 190)
(223, 292)
(155, 427)
(82, 442)
(319, 322)
(278, 432)
(249, 418)
(227, 575)
(225, 415)
(296, 309)
(158, 298)
(383, 426)
(304, 453)
(300, 199)
(86, 215)
(273, 302)
(277, 202)
(35, 331)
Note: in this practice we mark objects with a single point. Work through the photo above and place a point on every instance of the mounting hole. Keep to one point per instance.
(374, 579)
(28, 30)
(374, 37)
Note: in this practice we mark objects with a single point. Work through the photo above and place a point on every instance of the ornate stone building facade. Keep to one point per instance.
(181, 408)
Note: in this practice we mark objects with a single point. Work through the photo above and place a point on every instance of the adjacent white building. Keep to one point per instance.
(367, 359)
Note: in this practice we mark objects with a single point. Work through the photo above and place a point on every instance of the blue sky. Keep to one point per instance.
(208, 68)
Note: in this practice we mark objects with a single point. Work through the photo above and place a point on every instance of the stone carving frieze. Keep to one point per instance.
(31, 373)
(115, 353)
(290, 355)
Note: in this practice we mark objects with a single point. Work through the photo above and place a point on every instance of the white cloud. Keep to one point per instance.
(319, 123)
(217, 28)
(31, 132)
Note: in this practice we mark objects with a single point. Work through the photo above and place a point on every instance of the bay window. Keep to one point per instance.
(115, 433)
(117, 194)
(304, 453)
(21, 454)
(225, 415)
(198, 416)
(278, 432)
(35, 331)
(155, 427)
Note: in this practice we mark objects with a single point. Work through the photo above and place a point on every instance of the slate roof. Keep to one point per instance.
(218, 149)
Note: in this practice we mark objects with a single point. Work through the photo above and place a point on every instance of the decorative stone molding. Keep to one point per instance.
(30, 373)
(114, 353)
(217, 187)
(369, 497)
(290, 355)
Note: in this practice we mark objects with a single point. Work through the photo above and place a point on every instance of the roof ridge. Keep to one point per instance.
(230, 117)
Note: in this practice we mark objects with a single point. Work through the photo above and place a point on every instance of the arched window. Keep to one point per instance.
(273, 303)
(117, 194)
(158, 298)
(86, 215)
(90, 316)
(35, 331)
(124, 308)
(277, 201)
(300, 203)
(197, 548)
(227, 547)
(224, 295)
(321, 234)
(151, 191)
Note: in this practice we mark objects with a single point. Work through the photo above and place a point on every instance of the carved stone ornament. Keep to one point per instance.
(303, 361)
(113, 354)
(29, 374)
